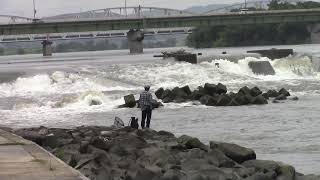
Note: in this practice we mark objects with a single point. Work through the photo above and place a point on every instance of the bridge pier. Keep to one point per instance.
(47, 48)
(135, 41)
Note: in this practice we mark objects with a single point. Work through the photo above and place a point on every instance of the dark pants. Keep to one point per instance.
(146, 114)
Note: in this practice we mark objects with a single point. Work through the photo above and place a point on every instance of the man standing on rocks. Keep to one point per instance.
(145, 102)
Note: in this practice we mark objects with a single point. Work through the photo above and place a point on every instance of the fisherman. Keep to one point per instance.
(145, 102)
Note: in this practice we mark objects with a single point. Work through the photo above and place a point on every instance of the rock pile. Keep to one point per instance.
(106, 153)
(216, 95)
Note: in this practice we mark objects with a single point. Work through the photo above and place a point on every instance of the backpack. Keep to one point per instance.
(134, 123)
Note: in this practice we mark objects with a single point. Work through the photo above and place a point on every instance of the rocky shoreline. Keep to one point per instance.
(111, 153)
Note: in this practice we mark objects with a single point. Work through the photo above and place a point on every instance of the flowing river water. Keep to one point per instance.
(57, 92)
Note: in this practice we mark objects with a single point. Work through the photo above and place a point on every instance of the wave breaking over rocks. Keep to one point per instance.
(109, 153)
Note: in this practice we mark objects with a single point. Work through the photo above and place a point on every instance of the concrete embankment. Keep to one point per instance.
(110, 153)
(21, 159)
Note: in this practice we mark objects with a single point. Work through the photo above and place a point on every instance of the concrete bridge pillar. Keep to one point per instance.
(47, 48)
(135, 39)
(314, 30)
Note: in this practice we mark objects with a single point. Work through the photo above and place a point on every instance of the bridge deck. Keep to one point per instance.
(256, 17)
(23, 160)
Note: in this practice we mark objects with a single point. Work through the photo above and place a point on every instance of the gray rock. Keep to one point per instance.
(255, 91)
(172, 174)
(234, 152)
(281, 97)
(191, 142)
(223, 100)
(244, 90)
(272, 93)
(187, 90)
(221, 89)
(219, 159)
(259, 100)
(205, 99)
(284, 92)
(210, 89)
(130, 101)
(286, 172)
(159, 93)
(179, 93)
(262, 165)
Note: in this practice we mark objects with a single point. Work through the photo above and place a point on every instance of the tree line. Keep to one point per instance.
(259, 34)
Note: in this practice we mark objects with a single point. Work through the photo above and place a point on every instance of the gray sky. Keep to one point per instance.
(55, 7)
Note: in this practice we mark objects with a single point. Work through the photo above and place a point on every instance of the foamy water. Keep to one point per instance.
(60, 94)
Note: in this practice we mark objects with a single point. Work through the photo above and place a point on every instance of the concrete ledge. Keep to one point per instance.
(21, 159)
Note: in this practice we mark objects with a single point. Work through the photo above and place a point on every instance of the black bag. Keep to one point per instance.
(134, 123)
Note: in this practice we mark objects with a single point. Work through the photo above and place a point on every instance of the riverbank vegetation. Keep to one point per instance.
(261, 34)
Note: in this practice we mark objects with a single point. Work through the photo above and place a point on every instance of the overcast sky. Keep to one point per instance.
(55, 7)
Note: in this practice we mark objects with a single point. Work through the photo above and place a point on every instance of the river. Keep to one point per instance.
(56, 92)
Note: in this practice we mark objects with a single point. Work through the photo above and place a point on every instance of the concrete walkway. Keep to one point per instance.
(21, 159)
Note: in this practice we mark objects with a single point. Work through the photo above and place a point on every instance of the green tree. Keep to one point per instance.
(1, 51)
(20, 51)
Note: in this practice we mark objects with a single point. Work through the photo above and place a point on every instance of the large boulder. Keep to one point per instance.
(221, 89)
(210, 89)
(234, 152)
(272, 93)
(196, 95)
(243, 99)
(179, 93)
(130, 101)
(261, 68)
(219, 159)
(244, 90)
(192, 142)
(223, 100)
(205, 99)
(284, 92)
(262, 165)
(159, 93)
(167, 96)
(187, 90)
(208, 100)
(259, 100)
(286, 172)
(167, 93)
(255, 91)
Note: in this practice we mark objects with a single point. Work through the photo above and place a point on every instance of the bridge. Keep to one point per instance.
(143, 23)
